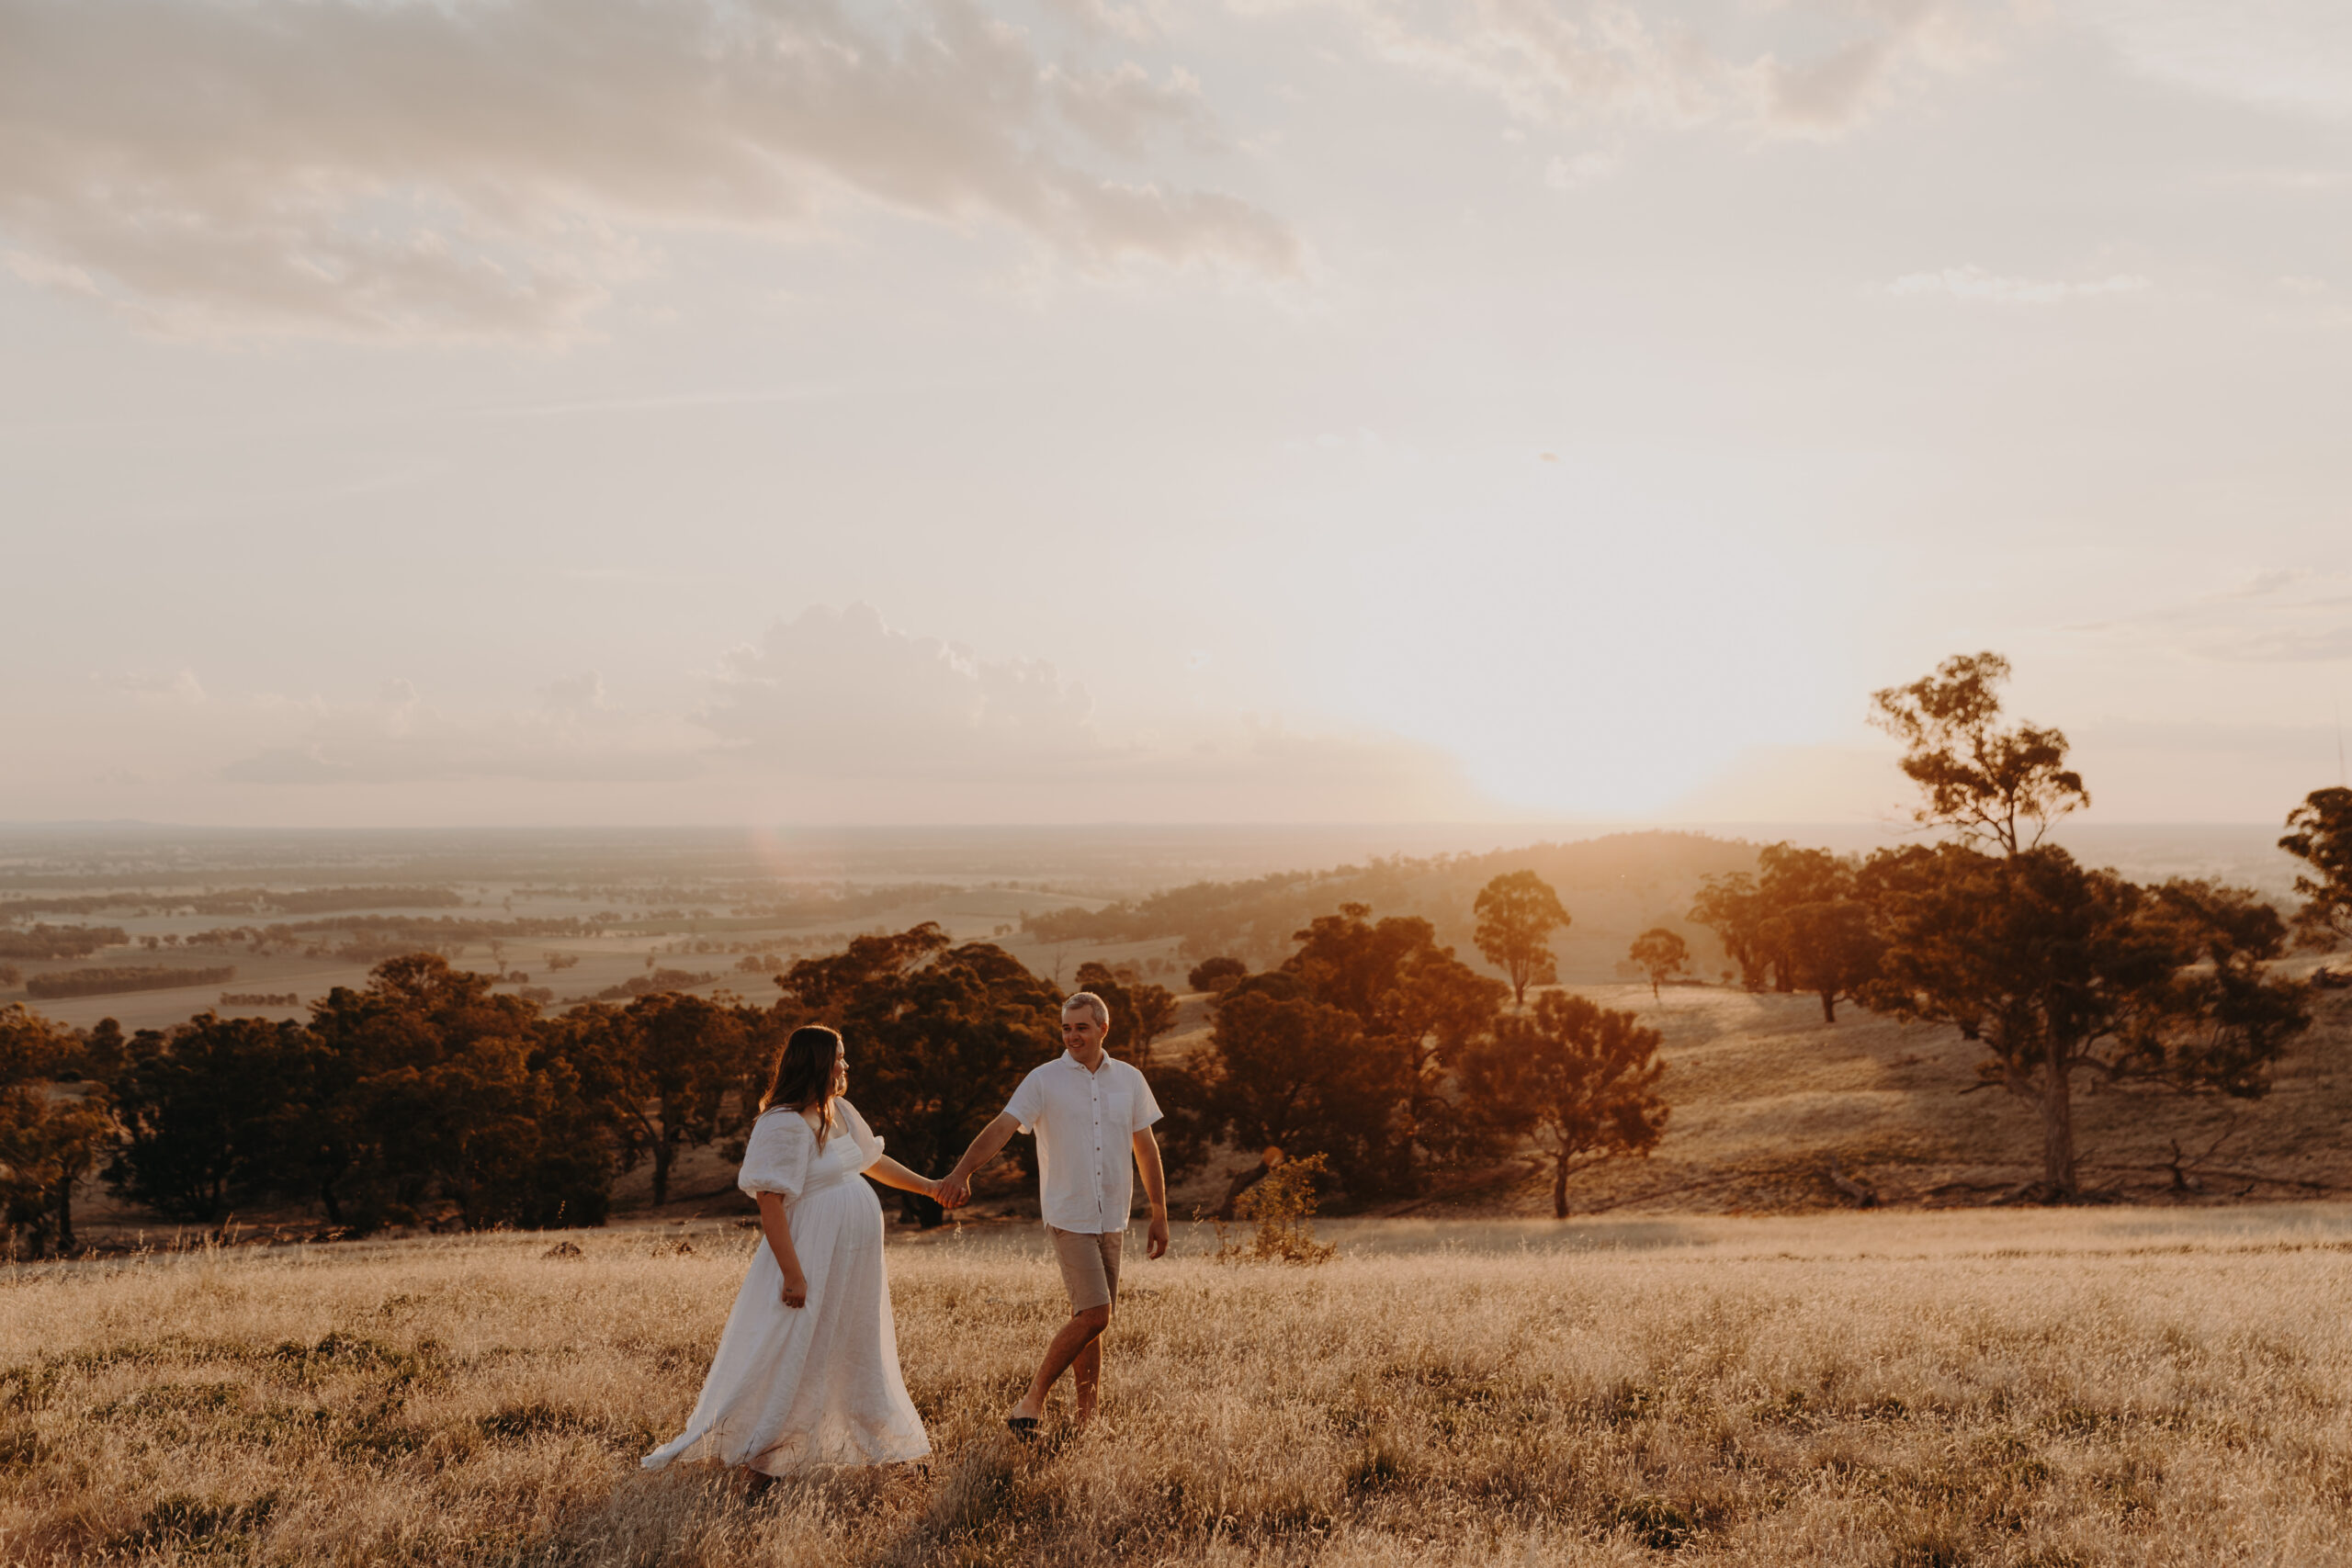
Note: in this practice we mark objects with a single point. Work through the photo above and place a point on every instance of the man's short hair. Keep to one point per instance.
(1091, 1003)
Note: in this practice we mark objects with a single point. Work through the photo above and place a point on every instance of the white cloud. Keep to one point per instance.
(836, 716)
(1583, 169)
(418, 170)
(1979, 286)
(178, 686)
(398, 738)
(2286, 54)
(2276, 615)
(1124, 110)
(840, 693)
(1570, 62)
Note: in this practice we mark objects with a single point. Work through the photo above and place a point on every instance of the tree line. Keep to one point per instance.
(1369, 1042)
(2062, 973)
(424, 1093)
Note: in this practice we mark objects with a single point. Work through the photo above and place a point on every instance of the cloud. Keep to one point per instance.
(1570, 62)
(1124, 110)
(1583, 169)
(847, 717)
(2287, 55)
(839, 693)
(2276, 615)
(179, 686)
(575, 736)
(1099, 18)
(833, 715)
(417, 170)
(1977, 286)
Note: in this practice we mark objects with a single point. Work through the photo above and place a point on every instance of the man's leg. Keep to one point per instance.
(1086, 1378)
(1076, 1338)
(1091, 1289)
(1086, 1371)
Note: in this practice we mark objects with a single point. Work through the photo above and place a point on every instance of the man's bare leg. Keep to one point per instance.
(1086, 1378)
(1074, 1339)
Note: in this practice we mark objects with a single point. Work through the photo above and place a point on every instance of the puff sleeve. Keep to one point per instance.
(869, 1147)
(775, 1158)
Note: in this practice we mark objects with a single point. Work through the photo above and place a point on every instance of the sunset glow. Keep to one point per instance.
(1072, 411)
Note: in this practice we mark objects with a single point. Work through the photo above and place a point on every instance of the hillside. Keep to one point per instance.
(1614, 888)
(1767, 1096)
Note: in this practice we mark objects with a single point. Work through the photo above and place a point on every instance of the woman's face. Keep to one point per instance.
(840, 1071)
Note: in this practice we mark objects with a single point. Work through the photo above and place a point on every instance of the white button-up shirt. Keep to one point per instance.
(1085, 1123)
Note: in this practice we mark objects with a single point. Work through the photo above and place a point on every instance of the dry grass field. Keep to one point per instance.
(2083, 1387)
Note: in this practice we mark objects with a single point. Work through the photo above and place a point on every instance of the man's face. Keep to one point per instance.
(1081, 1031)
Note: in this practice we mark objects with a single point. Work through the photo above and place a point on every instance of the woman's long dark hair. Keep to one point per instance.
(803, 1076)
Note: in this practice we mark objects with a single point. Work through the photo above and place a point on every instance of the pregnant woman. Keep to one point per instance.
(807, 1369)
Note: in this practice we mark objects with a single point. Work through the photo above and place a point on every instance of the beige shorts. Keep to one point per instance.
(1090, 1266)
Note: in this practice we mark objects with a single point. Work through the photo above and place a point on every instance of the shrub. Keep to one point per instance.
(1283, 1207)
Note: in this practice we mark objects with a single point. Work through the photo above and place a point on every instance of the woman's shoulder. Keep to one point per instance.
(778, 1121)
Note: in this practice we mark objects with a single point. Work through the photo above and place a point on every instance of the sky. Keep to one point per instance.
(569, 411)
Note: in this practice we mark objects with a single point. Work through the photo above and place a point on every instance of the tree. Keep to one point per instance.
(1215, 974)
(677, 1056)
(1753, 918)
(1420, 1009)
(2059, 971)
(1733, 909)
(1518, 912)
(1827, 946)
(1349, 1050)
(938, 1037)
(2319, 834)
(432, 1085)
(1987, 783)
(1581, 1079)
(212, 1113)
(1289, 1073)
(53, 1126)
(1661, 956)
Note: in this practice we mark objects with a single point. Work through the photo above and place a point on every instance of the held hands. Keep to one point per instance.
(796, 1289)
(952, 1191)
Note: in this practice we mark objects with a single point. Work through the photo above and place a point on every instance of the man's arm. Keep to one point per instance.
(1155, 1190)
(955, 1187)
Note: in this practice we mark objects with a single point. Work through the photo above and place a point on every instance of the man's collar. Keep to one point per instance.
(1082, 1067)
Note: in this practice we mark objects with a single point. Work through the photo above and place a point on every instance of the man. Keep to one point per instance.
(1092, 1115)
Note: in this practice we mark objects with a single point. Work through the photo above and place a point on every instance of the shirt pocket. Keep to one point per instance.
(1118, 1107)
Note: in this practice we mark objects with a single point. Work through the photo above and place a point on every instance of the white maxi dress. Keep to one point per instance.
(818, 1384)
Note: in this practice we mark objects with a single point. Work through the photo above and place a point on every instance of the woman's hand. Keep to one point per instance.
(796, 1289)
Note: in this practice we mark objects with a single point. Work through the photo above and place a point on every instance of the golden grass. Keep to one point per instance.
(1890, 1390)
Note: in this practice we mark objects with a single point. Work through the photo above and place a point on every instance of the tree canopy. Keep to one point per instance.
(1991, 785)
(1517, 914)
(1580, 1077)
(2059, 971)
(1661, 954)
(2319, 833)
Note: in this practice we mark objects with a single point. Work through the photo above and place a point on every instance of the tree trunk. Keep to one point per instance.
(65, 1214)
(921, 1209)
(664, 1151)
(2057, 1126)
(1828, 1006)
(1560, 1188)
(328, 1201)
